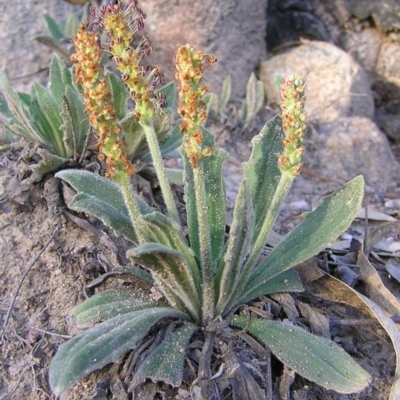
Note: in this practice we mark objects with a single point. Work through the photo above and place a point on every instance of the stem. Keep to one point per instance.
(241, 280)
(123, 180)
(205, 245)
(155, 152)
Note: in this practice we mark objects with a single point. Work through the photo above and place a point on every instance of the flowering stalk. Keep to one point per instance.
(120, 25)
(102, 116)
(289, 164)
(190, 67)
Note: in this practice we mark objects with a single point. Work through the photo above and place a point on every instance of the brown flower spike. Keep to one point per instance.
(99, 102)
(293, 123)
(190, 66)
(121, 24)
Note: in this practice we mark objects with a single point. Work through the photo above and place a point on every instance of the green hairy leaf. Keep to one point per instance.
(17, 109)
(71, 26)
(103, 344)
(254, 98)
(262, 172)
(102, 198)
(60, 78)
(109, 304)
(46, 115)
(238, 246)
(225, 93)
(76, 123)
(120, 94)
(286, 281)
(318, 359)
(170, 92)
(165, 362)
(215, 197)
(56, 29)
(172, 272)
(319, 229)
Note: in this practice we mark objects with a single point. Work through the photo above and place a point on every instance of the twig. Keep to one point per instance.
(51, 333)
(31, 264)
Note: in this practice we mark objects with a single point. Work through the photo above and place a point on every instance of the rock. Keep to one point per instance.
(23, 59)
(384, 13)
(351, 146)
(387, 101)
(337, 86)
(233, 31)
(388, 62)
(289, 21)
(364, 46)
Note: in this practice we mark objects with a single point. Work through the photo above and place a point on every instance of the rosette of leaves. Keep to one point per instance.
(53, 118)
(120, 318)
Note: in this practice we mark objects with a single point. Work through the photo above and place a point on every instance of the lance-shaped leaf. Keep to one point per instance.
(262, 172)
(267, 188)
(319, 229)
(215, 198)
(46, 116)
(158, 228)
(72, 25)
(165, 362)
(173, 141)
(110, 216)
(111, 303)
(287, 281)
(237, 248)
(75, 125)
(49, 162)
(102, 198)
(56, 29)
(225, 93)
(103, 344)
(98, 186)
(254, 98)
(316, 358)
(169, 90)
(133, 135)
(60, 78)
(17, 109)
(120, 94)
(170, 270)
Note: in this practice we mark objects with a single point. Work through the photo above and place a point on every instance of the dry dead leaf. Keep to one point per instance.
(329, 288)
(376, 290)
(393, 267)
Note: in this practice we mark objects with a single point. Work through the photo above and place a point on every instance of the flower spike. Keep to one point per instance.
(293, 123)
(190, 66)
(98, 101)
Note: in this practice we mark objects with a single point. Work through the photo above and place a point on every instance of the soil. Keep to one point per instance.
(44, 287)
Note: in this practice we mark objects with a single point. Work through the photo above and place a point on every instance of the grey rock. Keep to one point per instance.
(232, 30)
(352, 146)
(363, 46)
(384, 13)
(388, 62)
(336, 85)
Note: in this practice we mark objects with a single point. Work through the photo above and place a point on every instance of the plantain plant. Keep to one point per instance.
(53, 118)
(204, 276)
(57, 120)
